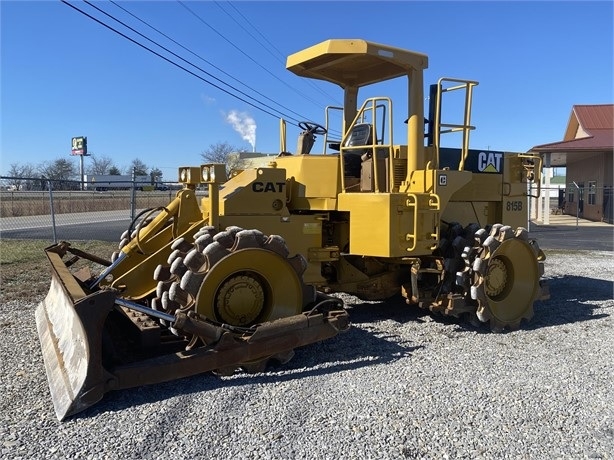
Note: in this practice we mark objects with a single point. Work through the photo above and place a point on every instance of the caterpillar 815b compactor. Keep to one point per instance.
(243, 276)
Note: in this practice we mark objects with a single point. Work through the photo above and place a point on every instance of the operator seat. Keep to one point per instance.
(361, 134)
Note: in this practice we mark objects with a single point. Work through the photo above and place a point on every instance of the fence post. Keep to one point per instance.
(55, 238)
(133, 195)
(577, 203)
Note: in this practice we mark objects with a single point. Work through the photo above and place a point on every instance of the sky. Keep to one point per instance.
(65, 75)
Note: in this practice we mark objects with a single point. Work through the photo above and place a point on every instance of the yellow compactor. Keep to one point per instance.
(245, 275)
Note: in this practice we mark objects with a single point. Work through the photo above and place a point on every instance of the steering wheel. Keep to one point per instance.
(312, 127)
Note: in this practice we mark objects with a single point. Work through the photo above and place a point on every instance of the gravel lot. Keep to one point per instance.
(398, 384)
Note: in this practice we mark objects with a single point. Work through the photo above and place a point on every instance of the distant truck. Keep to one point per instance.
(104, 182)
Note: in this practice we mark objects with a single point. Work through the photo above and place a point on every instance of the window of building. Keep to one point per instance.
(570, 194)
(592, 189)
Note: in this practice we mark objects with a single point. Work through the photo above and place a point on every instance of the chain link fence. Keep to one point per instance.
(55, 210)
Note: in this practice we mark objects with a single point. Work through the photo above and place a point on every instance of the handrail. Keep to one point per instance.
(465, 127)
(327, 110)
(412, 202)
(372, 104)
(282, 135)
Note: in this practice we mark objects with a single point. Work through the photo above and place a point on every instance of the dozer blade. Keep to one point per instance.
(71, 323)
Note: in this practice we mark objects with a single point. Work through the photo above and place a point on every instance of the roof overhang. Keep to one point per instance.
(561, 152)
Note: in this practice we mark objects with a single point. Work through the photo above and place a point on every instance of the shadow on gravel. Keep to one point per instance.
(397, 310)
(571, 300)
(394, 309)
(350, 350)
(360, 347)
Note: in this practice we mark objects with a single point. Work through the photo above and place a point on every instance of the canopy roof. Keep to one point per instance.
(354, 62)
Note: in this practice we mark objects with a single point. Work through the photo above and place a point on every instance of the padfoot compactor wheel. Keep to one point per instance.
(236, 277)
(94, 340)
(502, 272)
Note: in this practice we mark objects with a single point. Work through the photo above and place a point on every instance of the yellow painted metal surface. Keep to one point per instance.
(471, 197)
(249, 286)
(514, 210)
(314, 180)
(257, 191)
(133, 276)
(387, 225)
(301, 232)
(354, 62)
(465, 212)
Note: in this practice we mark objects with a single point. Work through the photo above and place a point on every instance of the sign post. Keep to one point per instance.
(79, 147)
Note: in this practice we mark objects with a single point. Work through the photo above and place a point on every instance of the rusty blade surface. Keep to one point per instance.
(69, 324)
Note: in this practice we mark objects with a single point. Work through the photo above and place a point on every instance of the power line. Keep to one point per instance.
(280, 57)
(184, 60)
(246, 55)
(202, 59)
(170, 61)
(165, 58)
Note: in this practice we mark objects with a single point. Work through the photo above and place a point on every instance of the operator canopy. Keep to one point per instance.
(352, 62)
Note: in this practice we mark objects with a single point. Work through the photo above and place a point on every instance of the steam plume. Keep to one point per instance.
(245, 125)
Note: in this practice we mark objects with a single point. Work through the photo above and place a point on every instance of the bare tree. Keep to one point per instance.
(29, 172)
(26, 174)
(223, 152)
(99, 165)
(60, 171)
(140, 168)
(16, 172)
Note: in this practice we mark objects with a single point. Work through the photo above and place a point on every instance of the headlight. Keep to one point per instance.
(212, 173)
(185, 175)
(189, 175)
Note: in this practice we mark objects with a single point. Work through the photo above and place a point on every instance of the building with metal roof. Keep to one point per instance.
(587, 152)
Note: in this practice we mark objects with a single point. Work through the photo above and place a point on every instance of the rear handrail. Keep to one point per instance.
(436, 128)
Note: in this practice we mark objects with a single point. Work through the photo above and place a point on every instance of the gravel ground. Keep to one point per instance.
(398, 384)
